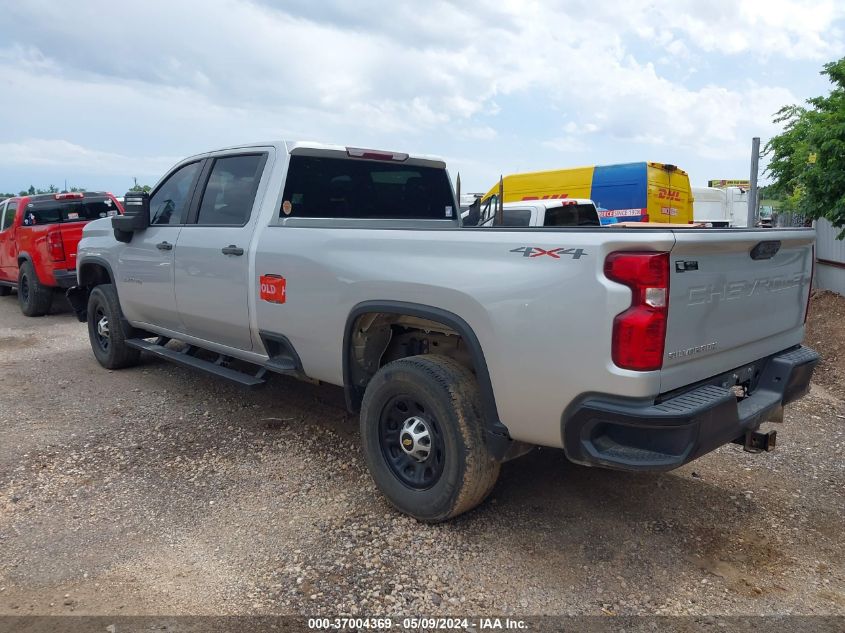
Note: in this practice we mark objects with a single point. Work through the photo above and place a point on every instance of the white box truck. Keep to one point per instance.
(721, 207)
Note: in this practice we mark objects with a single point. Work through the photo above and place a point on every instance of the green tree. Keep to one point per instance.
(33, 190)
(137, 187)
(807, 161)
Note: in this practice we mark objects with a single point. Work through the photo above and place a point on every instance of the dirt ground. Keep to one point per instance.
(157, 490)
(826, 334)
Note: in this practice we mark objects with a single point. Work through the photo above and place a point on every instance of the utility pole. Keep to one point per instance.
(752, 193)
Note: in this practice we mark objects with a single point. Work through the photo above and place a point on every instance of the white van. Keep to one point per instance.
(737, 203)
(720, 207)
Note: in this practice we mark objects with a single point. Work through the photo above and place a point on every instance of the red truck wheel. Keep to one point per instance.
(33, 296)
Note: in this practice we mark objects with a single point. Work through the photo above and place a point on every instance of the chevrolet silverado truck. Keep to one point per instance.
(38, 238)
(635, 349)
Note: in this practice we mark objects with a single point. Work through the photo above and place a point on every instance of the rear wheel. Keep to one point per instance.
(423, 437)
(106, 332)
(33, 296)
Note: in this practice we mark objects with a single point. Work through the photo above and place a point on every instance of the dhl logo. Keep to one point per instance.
(668, 194)
(555, 196)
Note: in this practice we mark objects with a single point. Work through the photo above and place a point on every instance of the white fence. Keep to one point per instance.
(830, 258)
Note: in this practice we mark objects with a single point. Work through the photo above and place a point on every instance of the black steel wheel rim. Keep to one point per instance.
(102, 340)
(24, 288)
(418, 475)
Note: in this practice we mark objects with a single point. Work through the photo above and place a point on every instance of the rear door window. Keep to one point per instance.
(74, 210)
(572, 215)
(230, 192)
(170, 201)
(320, 187)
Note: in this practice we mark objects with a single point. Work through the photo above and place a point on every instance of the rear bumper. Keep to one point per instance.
(636, 435)
(65, 278)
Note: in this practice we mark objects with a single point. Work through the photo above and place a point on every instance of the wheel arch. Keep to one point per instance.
(94, 271)
(496, 431)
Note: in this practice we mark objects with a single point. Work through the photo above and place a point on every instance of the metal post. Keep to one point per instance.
(752, 192)
(458, 193)
(500, 203)
(458, 188)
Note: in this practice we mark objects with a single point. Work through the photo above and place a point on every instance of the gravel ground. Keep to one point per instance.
(156, 490)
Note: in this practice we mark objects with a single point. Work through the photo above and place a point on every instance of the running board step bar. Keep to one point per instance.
(187, 359)
(282, 365)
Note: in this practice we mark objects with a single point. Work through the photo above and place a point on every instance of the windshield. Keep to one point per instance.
(319, 187)
(77, 210)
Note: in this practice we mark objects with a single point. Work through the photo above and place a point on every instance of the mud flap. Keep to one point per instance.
(78, 298)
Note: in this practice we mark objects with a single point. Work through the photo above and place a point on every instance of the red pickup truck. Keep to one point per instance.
(38, 238)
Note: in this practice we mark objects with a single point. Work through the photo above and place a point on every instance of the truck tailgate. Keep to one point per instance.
(71, 234)
(735, 296)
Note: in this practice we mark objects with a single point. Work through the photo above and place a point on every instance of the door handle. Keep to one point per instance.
(231, 249)
(164, 246)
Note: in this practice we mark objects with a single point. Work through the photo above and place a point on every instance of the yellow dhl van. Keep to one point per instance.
(629, 192)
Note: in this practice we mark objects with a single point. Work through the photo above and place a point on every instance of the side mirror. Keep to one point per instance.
(136, 215)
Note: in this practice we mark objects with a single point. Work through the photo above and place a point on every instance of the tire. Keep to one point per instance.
(457, 472)
(106, 331)
(34, 297)
(5, 291)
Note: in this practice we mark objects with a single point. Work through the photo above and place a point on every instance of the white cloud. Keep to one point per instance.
(478, 133)
(58, 152)
(793, 29)
(196, 74)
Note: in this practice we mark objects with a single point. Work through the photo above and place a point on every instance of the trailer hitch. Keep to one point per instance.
(757, 441)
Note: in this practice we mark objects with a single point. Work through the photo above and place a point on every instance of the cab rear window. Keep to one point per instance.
(58, 211)
(319, 187)
(572, 215)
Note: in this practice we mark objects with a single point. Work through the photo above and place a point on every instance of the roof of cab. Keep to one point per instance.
(59, 195)
(313, 146)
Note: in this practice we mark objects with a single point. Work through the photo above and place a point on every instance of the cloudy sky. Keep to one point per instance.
(97, 92)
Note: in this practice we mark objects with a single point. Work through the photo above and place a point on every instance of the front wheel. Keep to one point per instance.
(423, 437)
(106, 332)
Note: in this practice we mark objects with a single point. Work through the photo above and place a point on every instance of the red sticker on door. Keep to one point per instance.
(272, 288)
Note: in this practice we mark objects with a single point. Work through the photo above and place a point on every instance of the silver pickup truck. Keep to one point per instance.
(636, 349)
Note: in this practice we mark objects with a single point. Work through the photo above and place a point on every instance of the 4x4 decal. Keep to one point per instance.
(536, 251)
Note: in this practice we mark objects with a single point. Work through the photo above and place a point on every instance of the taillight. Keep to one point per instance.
(56, 246)
(645, 217)
(639, 333)
(73, 195)
(810, 289)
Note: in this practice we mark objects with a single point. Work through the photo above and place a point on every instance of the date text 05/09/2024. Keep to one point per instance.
(416, 623)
